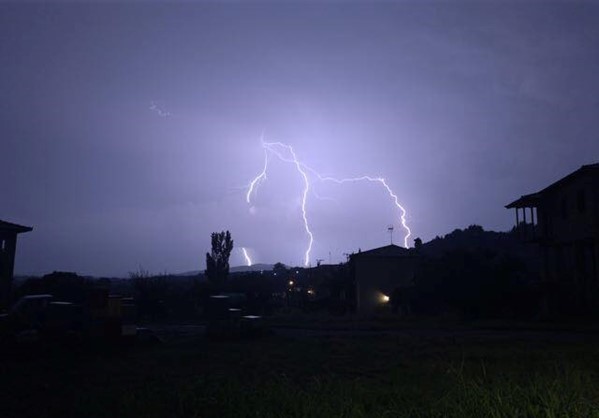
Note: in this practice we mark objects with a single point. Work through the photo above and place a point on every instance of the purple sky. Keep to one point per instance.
(129, 132)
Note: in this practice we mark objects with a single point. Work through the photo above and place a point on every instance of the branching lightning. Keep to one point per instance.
(274, 149)
(402, 210)
(301, 169)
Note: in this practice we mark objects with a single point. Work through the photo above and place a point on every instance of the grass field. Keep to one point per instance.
(380, 376)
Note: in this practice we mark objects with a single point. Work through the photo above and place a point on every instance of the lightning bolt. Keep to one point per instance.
(383, 182)
(257, 180)
(270, 147)
(248, 260)
(303, 169)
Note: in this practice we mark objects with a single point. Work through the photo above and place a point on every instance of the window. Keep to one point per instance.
(581, 202)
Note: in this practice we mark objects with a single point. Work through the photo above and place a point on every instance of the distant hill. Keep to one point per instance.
(236, 269)
(254, 267)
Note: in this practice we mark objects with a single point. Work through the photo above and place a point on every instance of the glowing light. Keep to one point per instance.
(385, 298)
(290, 157)
(291, 282)
(248, 260)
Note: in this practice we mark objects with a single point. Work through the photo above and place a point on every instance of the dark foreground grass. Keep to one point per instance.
(386, 376)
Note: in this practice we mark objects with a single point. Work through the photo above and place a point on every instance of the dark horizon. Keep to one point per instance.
(435, 243)
(130, 132)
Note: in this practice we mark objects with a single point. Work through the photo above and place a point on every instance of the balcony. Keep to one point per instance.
(527, 227)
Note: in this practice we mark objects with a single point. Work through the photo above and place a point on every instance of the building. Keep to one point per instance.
(381, 274)
(8, 246)
(563, 219)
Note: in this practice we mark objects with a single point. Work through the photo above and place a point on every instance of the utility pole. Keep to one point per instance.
(390, 230)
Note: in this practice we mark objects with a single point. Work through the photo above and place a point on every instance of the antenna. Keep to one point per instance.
(390, 230)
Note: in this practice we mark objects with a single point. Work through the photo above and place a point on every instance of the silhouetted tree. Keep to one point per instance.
(280, 269)
(217, 261)
(417, 243)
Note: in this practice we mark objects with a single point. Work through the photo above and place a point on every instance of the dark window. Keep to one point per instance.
(564, 208)
(581, 202)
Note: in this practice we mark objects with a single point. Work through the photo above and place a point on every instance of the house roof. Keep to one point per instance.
(531, 200)
(7, 226)
(386, 251)
(526, 201)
